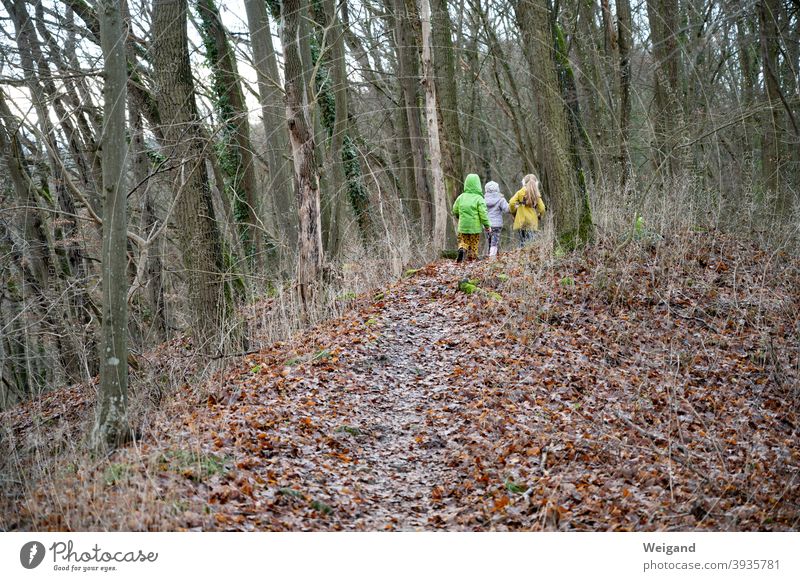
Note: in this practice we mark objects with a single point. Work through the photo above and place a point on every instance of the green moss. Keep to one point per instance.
(514, 487)
(353, 431)
(322, 355)
(290, 492)
(468, 286)
(321, 507)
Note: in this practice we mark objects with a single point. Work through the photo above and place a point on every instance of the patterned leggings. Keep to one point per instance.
(494, 240)
(470, 243)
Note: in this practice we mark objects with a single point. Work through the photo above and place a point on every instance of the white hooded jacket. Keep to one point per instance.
(495, 203)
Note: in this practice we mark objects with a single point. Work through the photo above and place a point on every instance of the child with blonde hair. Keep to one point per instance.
(527, 207)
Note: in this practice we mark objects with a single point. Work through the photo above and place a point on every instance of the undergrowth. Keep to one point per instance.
(721, 270)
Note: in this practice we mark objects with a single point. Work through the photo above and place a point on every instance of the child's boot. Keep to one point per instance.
(461, 253)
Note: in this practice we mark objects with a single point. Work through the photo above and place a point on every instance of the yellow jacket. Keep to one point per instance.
(525, 218)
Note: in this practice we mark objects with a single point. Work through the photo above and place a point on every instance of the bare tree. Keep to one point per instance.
(406, 20)
(571, 214)
(310, 259)
(280, 187)
(210, 297)
(439, 197)
(447, 95)
(237, 149)
(111, 421)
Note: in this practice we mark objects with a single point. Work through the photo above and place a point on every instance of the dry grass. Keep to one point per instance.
(47, 481)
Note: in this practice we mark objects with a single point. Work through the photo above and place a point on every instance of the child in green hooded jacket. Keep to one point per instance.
(473, 217)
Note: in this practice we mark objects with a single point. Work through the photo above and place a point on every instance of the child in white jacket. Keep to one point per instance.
(497, 206)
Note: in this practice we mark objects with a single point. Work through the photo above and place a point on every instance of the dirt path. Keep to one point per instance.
(373, 450)
(404, 374)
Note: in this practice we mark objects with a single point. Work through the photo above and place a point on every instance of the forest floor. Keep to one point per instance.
(652, 385)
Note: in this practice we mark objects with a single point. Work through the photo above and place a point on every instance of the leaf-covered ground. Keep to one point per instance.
(642, 386)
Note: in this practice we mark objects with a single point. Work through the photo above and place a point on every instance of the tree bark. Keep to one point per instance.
(773, 126)
(447, 96)
(37, 79)
(571, 214)
(408, 69)
(624, 34)
(439, 193)
(280, 186)
(153, 267)
(310, 259)
(663, 19)
(237, 147)
(111, 420)
(211, 298)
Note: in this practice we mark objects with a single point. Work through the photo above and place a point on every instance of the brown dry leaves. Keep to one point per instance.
(641, 390)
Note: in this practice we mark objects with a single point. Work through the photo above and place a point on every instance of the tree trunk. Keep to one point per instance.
(624, 34)
(237, 152)
(439, 194)
(35, 262)
(310, 259)
(663, 19)
(447, 95)
(281, 185)
(335, 121)
(31, 60)
(153, 268)
(111, 419)
(773, 127)
(571, 214)
(408, 69)
(211, 299)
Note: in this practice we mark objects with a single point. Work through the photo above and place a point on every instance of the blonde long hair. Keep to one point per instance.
(532, 194)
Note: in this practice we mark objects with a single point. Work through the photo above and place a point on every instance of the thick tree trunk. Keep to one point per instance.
(111, 419)
(663, 18)
(571, 214)
(310, 259)
(211, 298)
(335, 121)
(597, 80)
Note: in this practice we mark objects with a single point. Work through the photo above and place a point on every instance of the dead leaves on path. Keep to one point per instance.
(635, 391)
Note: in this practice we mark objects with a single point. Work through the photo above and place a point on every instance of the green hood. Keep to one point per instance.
(472, 185)
(470, 207)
